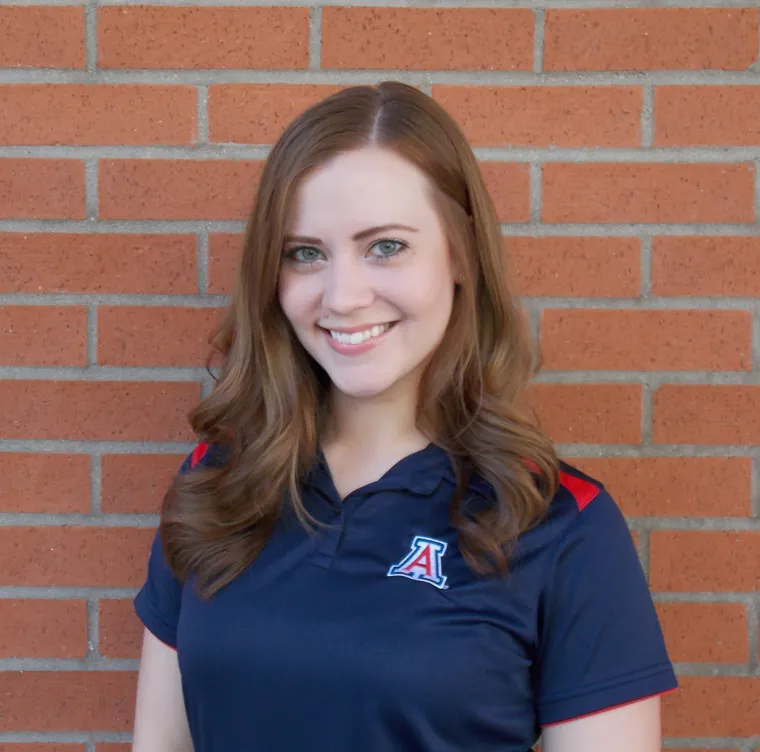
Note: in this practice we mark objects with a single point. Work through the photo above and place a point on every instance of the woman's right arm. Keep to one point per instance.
(160, 718)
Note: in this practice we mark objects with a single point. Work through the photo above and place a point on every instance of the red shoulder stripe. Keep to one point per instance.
(583, 491)
(198, 454)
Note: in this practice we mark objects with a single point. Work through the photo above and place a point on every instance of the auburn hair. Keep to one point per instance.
(266, 410)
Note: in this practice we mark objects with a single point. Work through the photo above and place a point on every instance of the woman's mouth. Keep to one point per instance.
(359, 341)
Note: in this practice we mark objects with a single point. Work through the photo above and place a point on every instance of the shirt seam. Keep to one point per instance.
(590, 689)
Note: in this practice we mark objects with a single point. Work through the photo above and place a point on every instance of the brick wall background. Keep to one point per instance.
(620, 141)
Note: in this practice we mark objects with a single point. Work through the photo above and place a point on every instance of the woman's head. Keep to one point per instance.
(367, 280)
(429, 296)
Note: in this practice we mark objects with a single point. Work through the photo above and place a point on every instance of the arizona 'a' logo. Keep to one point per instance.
(423, 562)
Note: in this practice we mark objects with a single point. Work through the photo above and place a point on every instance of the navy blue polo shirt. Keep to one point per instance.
(374, 635)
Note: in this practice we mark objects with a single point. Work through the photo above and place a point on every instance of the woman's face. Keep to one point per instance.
(366, 279)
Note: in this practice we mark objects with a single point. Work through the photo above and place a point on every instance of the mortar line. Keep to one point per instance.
(315, 37)
(202, 126)
(91, 197)
(647, 116)
(539, 34)
(646, 265)
(96, 482)
(202, 261)
(91, 37)
(93, 631)
(92, 336)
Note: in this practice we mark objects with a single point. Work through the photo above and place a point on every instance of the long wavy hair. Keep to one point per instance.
(267, 407)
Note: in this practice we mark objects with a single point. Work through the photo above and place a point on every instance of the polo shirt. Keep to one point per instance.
(372, 634)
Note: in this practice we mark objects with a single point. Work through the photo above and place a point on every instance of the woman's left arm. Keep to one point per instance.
(630, 728)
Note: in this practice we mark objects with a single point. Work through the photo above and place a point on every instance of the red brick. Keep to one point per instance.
(675, 486)
(39, 114)
(154, 336)
(99, 263)
(705, 632)
(646, 340)
(45, 483)
(177, 189)
(707, 115)
(116, 747)
(427, 38)
(224, 251)
(706, 266)
(41, 701)
(612, 192)
(650, 38)
(136, 483)
(589, 413)
(97, 411)
(509, 187)
(585, 267)
(712, 706)
(42, 37)
(41, 189)
(120, 630)
(43, 629)
(563, 116)
(705, 561)
(43, 336)
(74, 556)
(203, 37)
(696, 414)
(258, 113)
(31, 747)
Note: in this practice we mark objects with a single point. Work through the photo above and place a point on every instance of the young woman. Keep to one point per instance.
(374, 547)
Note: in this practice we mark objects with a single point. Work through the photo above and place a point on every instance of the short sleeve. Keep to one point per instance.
(158, 601)
(600, 642)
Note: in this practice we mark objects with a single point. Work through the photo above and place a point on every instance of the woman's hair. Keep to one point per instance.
(266, 410)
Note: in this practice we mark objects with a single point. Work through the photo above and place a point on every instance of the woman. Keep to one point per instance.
(374, 548)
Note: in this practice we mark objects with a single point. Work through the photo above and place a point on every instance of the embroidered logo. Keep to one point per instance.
(423, 562)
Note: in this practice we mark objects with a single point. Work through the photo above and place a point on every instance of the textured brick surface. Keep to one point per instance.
(675, 486)
(116, 411)
(87, 114)
(103, 263)
(545, 116)
(584, 267)
(42, 37)
(132, 139)
(67, 700)
(41, 189)
(202, 37)
(420, 38)
(705, 632)
(39, 483)
(707, 415)
(645, 193)
(43, 336)
(705, 560)
(153, 336)
(43, 629)
(704, 266)
(650, 38)
(120, 630)
(183, 189)
(136, 484)
(646, 340)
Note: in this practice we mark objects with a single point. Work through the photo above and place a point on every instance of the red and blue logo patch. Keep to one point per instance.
(423, 562)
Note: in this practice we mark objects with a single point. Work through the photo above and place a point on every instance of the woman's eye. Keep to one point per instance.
(386, 248)
(304, 255)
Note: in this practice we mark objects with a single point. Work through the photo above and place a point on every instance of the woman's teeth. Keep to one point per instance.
(356, 338)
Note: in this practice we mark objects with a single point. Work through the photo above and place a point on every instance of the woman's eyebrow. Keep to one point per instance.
(358, 236)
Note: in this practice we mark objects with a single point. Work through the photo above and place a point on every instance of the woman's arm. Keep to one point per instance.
(160, 718)
(630, 728)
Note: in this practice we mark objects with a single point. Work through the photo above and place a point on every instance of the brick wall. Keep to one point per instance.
(621, 147)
